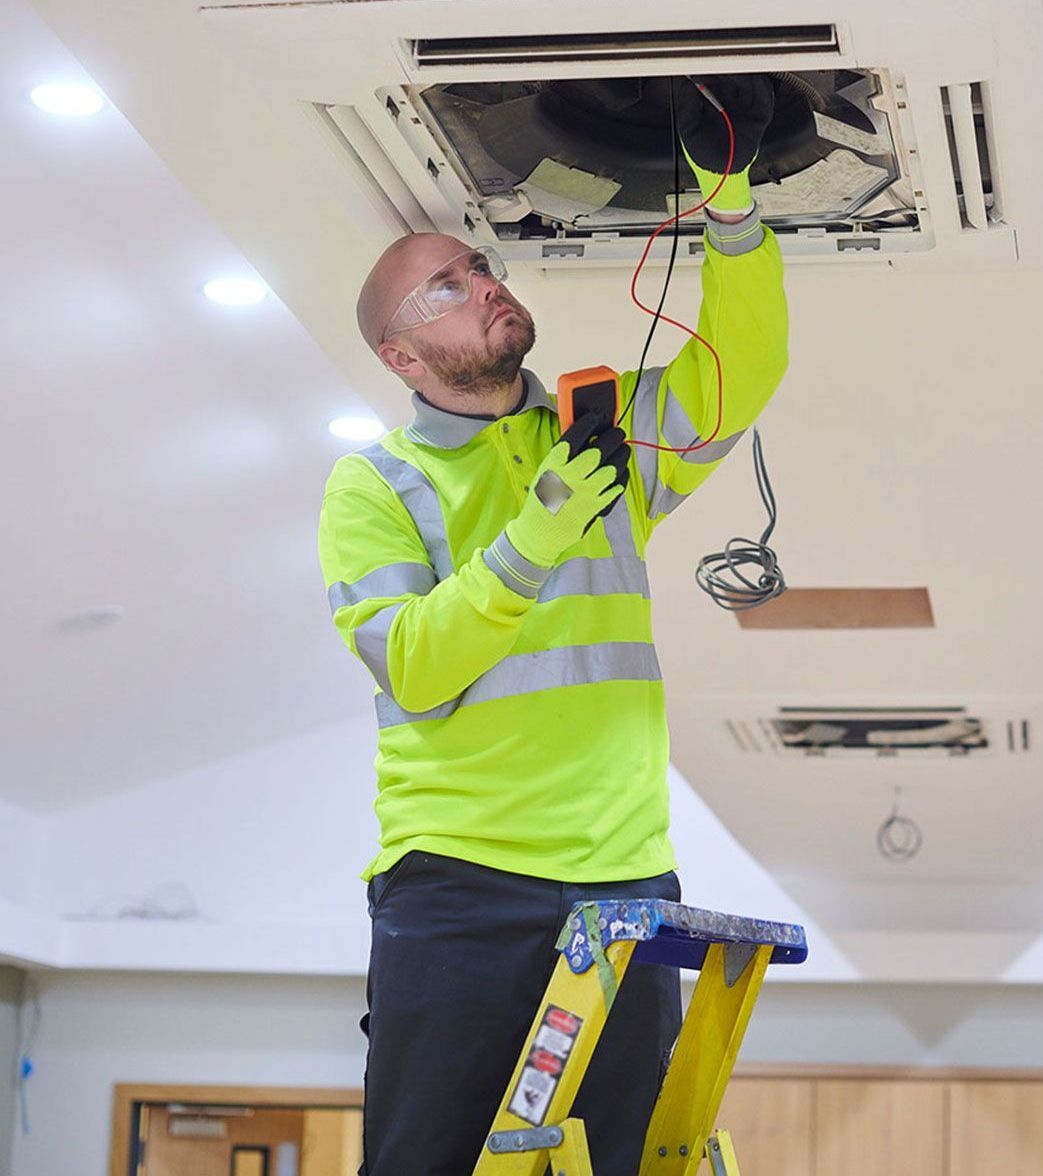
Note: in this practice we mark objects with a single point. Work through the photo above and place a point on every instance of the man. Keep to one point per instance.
(490, 574)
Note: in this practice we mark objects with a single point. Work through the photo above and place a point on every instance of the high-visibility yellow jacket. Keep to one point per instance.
(521, 715)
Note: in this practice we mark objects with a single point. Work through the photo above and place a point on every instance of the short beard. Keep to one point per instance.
(476, 372)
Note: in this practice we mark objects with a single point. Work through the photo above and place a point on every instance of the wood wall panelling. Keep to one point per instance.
(996, 1127)
(770, 1120)
(866, 1128)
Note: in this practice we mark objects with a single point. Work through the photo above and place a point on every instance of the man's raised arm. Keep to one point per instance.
(743, 313)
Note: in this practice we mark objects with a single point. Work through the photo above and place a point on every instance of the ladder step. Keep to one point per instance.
(674, 934)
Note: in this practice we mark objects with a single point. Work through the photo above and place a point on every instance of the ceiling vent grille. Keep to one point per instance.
(969, 128)
(555, 147)
(439, 53)
(882, 732)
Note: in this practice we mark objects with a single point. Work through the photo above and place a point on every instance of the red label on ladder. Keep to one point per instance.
(545, 1064)
(562, 1021)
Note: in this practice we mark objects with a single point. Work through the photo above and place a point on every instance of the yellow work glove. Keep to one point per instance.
(580, 479)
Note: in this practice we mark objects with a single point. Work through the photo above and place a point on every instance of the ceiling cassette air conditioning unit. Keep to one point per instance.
(883, 731)
(555, 146)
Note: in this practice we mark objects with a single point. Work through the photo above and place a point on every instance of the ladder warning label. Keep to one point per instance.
(545, 1064)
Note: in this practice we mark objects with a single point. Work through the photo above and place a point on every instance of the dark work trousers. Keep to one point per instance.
(460, 958)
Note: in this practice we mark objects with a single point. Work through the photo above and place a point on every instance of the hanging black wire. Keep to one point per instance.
(719, 574)
(675, 237)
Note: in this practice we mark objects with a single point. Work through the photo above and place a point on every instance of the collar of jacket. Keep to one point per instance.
(449, 430)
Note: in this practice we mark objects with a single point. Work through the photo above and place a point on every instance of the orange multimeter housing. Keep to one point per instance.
(593, 389)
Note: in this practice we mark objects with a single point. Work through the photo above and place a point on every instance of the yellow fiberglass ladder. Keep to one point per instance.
(532, 1128)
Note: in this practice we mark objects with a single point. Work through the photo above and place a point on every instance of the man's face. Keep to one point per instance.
(478, 345)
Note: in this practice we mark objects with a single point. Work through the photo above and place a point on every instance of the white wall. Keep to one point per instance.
(21, 843)
(278, 834)
(10, 995)
(898, 1024)
(98, 1030)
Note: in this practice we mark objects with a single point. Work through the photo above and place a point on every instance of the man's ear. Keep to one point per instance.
(399, 358)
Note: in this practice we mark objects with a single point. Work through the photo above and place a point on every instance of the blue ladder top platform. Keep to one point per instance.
(672, 934)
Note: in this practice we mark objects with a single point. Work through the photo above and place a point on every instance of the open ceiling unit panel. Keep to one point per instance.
(578, 167)
(557, 148)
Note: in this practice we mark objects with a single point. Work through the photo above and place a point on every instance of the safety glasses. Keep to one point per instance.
(447, 288)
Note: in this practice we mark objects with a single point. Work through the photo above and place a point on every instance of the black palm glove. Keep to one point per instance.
(592, 431)
(749, 101)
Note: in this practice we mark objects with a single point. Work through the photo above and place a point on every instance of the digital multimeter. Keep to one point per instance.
(593, 389)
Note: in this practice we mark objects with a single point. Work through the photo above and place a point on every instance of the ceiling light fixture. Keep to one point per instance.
(357, 428)
(70, 100)
(236, 291)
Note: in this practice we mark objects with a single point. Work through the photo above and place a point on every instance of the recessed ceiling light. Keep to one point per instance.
(75, 101)
(357, 428)
(236, 291)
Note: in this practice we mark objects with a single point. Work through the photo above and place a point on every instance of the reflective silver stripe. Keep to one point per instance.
(526, 673)
(741, 237)
(664, 498)
(420, 498)
(618, 530)
(678, 431)
(712, 452)
(398, 579)
(597, 577)
(646, 428)
(390, 714)
(371, 641)
(518, 573)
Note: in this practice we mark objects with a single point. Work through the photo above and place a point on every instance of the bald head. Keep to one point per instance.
(404, 264)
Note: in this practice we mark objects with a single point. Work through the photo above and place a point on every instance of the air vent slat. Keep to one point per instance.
(962, 112)
(1019, 736)
(635, 46)
(970, 130)
(989, 128)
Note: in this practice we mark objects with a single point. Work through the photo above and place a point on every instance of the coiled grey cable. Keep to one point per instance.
(720, 576)
(899, 838)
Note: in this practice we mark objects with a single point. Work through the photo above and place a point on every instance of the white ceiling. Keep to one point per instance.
(159, 453)
(169, 456)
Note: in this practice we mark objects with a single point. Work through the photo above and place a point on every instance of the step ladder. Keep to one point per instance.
(532, 1127)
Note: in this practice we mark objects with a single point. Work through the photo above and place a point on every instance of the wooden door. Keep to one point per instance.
(184, 1142)
(332, 1142)
(865, 1127)
(771, 1125)
(996, 1127)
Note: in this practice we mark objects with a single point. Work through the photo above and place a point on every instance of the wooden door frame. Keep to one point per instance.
(869, 1073)
(126, 1095)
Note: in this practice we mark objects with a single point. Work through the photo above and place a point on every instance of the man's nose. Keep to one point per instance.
(486, 287)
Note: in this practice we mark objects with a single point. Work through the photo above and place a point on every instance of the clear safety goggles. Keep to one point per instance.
(447, 288)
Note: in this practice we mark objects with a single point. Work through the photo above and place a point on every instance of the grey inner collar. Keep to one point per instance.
(449, 430)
